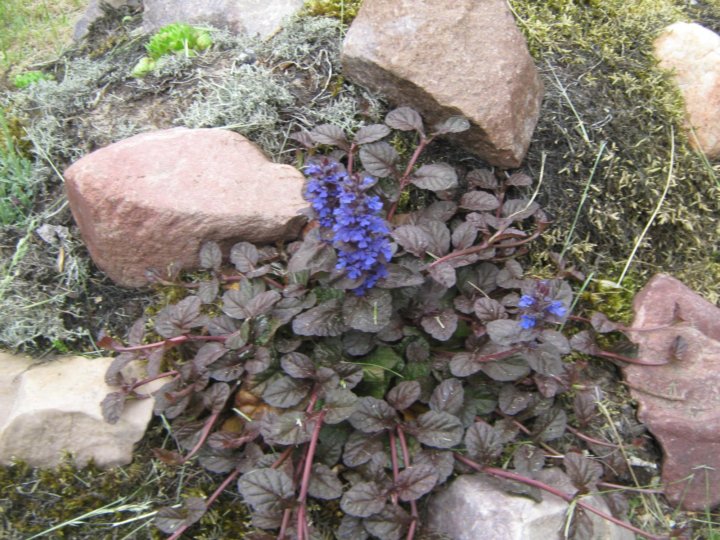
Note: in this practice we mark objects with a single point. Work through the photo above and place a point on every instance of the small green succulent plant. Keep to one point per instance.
(176, 38)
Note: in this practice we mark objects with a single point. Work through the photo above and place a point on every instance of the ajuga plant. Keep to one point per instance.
(375, 358)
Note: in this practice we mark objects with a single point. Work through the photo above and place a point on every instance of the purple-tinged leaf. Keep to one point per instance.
(137, 332)
(169, 520)
(556, 339)
(505, 332)
(260, 361)
(519, 179)
(233, 304)
(389, 524)
(506, 370)
(438, 429)
(404, 394)
(222, 326)
(545, 360)
(379, 159)
(512, 400)
(351, 528)
(290, 428)
(550, 425)
(324, 483)
(262, 303)
(528, 459)
(441, 461)
(414, 482)
(298, 366)
(207, 354)
(218, 462)
(304, 138)
(287, 308)
(417, 350)
(210, 256)
(519, 209)
(371, 133)
(112, 406)
(286, 392)
(267, 521)
(510, 277)
(329, 134)
(464, 235)
(548, 386)
(400, 276)
(584, 342)
(482, 178)
(266, 490)
(216, 396)
(350, 374)
(487, 309)
(454, 124)
(155, 362)
(339, 405)
(602, 325)
(438, 211)
(168, 457)
(180, 318)
(357, 343)
(581, 525)
(373, 415)
(313, 256)
(368, 313)
(584, 473)
(438, 237)
(323, 320)
(412, 238)
(207, 291)
(244, 256)
(448, 396)
(360, 448)
(464, 364)
(363, 499)
(585, 406)
(441, 325)
(444, 274)
(113, 375)
(483, 443)
(404, 119)
(479, 201)
(435, 177)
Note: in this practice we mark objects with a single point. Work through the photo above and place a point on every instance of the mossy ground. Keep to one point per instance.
(606, 102)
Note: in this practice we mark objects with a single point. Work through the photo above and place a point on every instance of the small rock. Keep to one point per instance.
(240, 16)
(465, 58)
(476, 506)
(151, 200)
(51, 408)
(679, 401)
(692, 52)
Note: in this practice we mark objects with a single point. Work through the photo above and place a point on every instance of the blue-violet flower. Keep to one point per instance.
(343, 207)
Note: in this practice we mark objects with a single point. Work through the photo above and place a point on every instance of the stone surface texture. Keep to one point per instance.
(151, 200)
(679, 401)
(476, 506)
(48, 409)
(253, 17)
(470, 60)
(692, 52)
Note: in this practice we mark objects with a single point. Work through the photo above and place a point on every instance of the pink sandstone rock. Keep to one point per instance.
(148, 202)
(465, 57)
(692, 52)
(679, 401)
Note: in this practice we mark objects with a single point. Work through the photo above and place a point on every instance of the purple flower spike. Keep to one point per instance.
(556, 308)
(526, 301)
(527, 321)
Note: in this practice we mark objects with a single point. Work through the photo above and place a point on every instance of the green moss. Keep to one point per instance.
(344, 10)
(603, 91)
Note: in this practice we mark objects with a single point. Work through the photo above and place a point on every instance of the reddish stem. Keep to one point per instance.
(620, 357)
(305, 483)
(589, 439)
(203, 436)
(137, 384)
(395, 468)
(405, 178)
(502, 473)
(413, 504)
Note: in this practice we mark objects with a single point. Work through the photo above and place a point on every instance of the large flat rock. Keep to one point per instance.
(150, 201)
(679, 401)
(466, 57)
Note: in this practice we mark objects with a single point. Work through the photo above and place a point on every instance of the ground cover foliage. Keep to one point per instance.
(52, 297)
